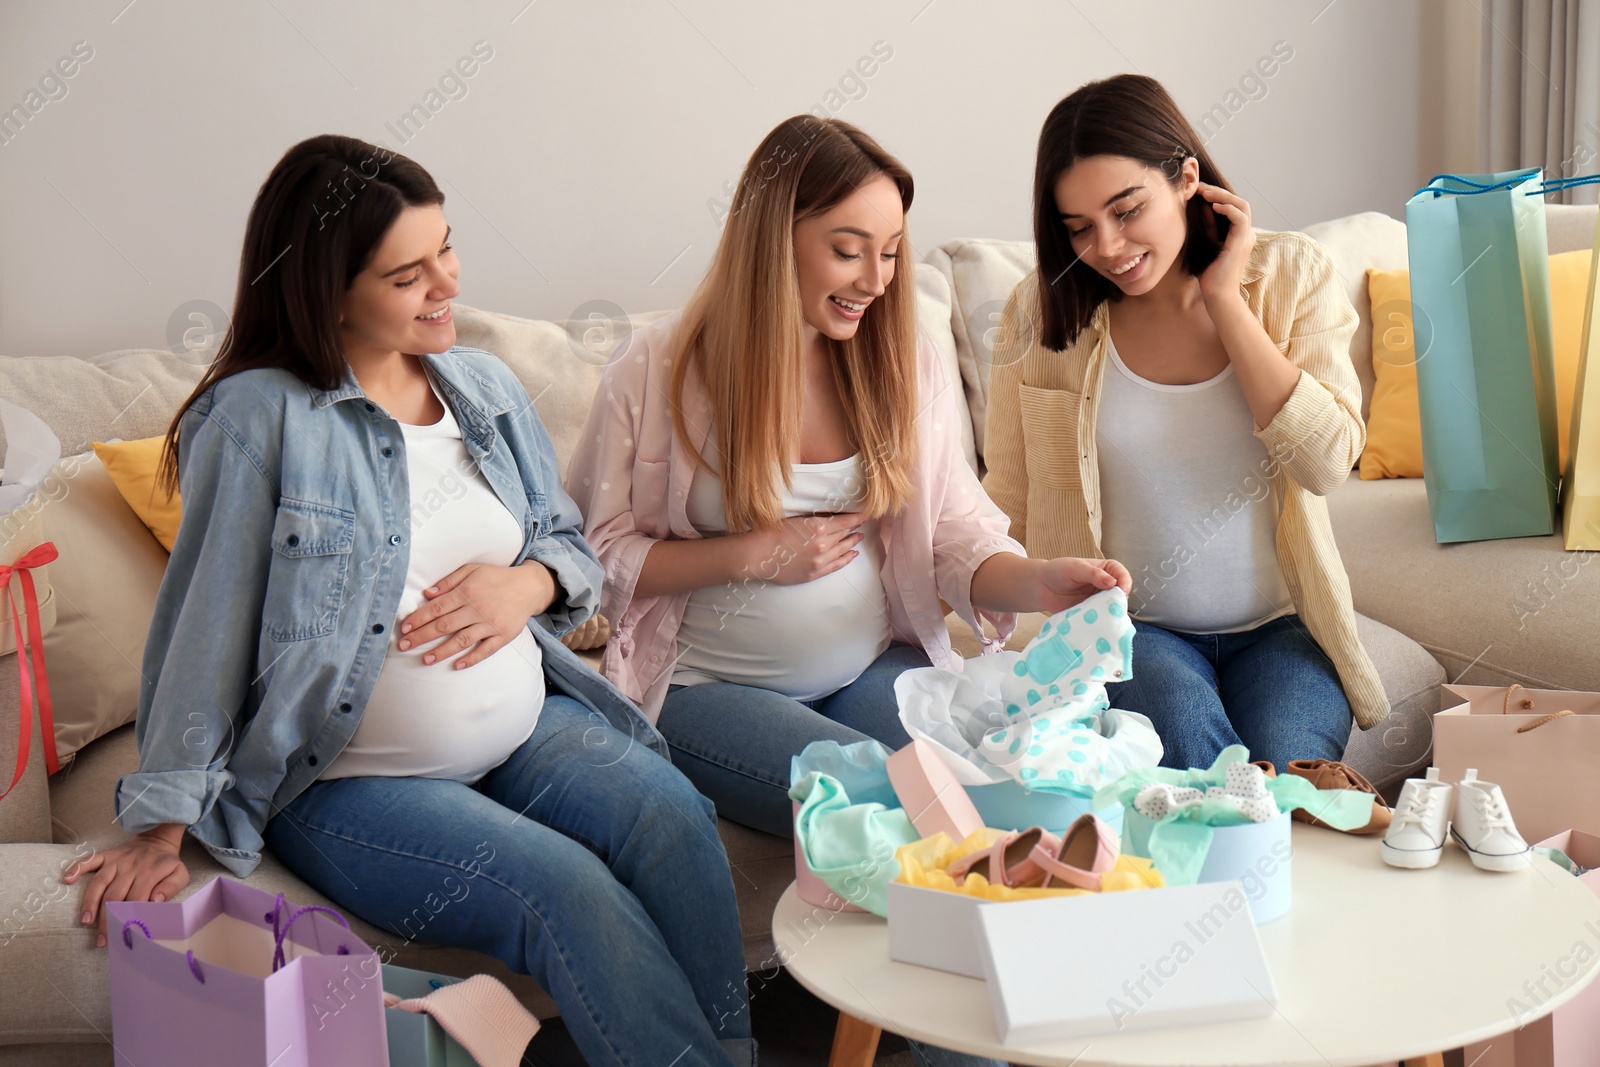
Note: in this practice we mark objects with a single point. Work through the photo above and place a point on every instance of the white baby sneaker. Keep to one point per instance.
(1421, 820)
(1483, 826)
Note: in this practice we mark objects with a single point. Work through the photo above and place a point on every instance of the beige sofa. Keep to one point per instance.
(53, 982)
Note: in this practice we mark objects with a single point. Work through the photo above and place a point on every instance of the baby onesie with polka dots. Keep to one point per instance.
(1058, 731)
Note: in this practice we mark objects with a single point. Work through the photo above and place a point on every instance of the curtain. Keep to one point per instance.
(1540, 89)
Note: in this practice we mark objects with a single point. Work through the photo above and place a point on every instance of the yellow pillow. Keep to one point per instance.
(132, 466)
(1394, 428)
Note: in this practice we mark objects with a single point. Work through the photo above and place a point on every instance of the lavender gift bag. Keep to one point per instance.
(236, 975)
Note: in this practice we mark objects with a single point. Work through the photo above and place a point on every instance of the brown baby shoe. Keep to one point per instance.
(1328, 774)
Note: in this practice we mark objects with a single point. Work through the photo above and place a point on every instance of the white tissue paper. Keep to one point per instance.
(32, 451)
(1041, 716)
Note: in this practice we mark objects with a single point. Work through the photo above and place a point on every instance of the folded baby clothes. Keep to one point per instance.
(1058, 731)
(848, 845)
(1245, 790)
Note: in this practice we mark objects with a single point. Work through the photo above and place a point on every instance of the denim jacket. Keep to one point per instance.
(272, 620)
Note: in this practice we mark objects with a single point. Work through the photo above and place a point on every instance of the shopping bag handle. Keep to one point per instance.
(1472, 188)
(1535, 724)
(127, 939)
(280, 932)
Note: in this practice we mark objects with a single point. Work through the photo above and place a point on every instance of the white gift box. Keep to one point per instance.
(21, 531)
(933, 928)
(1109, 962)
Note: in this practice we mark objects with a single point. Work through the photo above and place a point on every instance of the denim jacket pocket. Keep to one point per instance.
(311, 546)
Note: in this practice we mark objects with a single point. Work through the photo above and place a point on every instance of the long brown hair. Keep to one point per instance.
(1132, 116)
(314, 226)
(743, 330)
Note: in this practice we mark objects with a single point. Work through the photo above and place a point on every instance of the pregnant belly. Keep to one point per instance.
(804, 641)
(432, 720)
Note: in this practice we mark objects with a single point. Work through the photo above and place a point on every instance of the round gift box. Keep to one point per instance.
(1010, 806)
(1257, 855)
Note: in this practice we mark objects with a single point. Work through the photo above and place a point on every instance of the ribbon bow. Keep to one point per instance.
(34, 557)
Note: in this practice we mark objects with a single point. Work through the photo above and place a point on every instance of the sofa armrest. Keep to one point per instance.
(25, 812)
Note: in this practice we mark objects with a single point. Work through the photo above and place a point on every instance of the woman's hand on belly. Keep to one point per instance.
(478, 607)
(804, 548)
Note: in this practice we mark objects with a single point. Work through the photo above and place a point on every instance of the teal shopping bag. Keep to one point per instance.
(415, 1040)
(1480, 295)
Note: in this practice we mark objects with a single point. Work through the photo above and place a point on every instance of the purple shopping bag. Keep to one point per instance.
(236, 975)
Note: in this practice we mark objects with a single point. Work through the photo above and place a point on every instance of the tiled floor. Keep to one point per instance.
(793, 1028)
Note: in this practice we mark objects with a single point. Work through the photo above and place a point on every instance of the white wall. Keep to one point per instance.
(585, 158)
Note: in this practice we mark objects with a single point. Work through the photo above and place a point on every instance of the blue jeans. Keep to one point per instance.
(734, 742)
(1271, 689)
(583, 860)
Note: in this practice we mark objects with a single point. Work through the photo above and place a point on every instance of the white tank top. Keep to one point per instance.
(1186, 504)
(804, 641)
(431, 720)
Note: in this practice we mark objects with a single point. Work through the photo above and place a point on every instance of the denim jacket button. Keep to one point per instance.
(377, 627)
(293, 539)
(346, 707)
(394, 539)
(371, 408)
(311, 760)
(388, 452)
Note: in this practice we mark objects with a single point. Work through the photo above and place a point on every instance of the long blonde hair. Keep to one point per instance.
(742, 332)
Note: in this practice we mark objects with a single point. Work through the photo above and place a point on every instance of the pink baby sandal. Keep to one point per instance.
(1088, 850)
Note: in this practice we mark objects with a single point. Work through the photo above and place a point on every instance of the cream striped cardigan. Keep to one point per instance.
(1043, 470)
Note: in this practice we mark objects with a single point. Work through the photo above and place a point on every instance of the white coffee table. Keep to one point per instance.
(1371, 964)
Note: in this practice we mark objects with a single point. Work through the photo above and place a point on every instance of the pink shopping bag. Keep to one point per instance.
(237, 975)
(1540, 746)
(1570, 1036)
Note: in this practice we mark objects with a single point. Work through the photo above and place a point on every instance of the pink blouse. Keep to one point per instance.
(630, 476)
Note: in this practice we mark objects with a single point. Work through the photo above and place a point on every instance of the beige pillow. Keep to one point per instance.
(980, 275)
(105, 582)
(558, 363)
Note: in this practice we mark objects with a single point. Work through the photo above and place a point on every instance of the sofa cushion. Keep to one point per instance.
(105, 582)
(934, 303)
(1492, 612)
(129, 394)
(559, 363)
(135, 467)
(1570, 226)
(980, 275)
(1358, 243)
(1400, 746)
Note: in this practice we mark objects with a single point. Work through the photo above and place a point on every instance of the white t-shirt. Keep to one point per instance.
(431, 720)
(804, 641)
(1186, 504)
